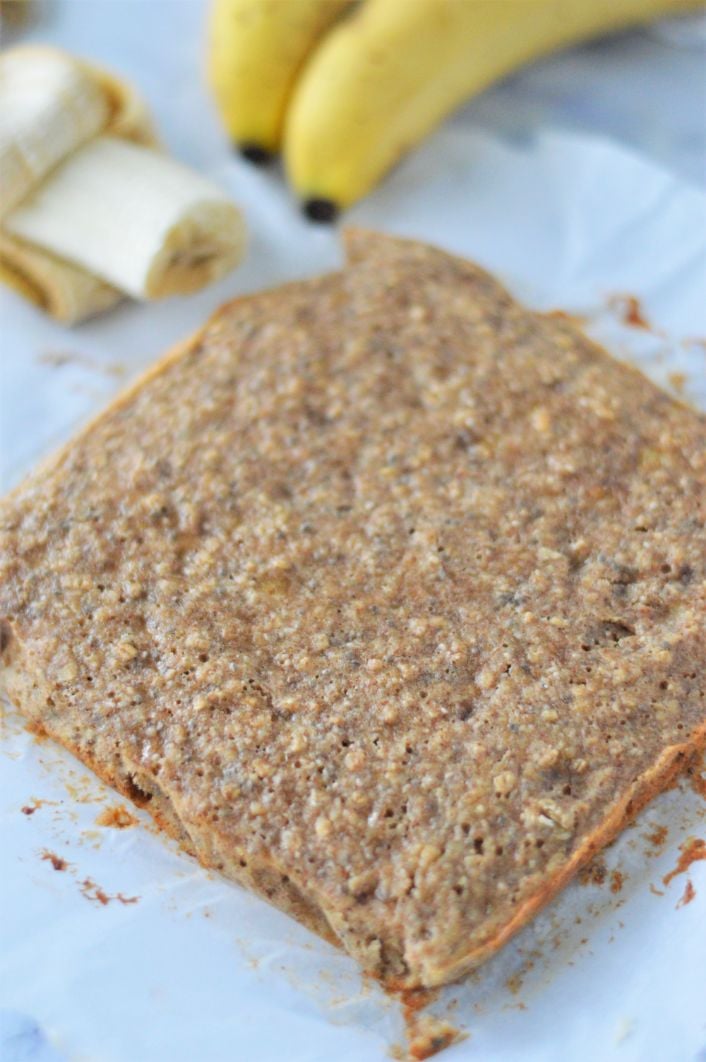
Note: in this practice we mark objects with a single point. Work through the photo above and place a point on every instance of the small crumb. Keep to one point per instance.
(117, 817)
(630, 310)
(691, 851)
(616, 881)
(688, 894)
(657, 837)
(56, 861)
(428, 1035)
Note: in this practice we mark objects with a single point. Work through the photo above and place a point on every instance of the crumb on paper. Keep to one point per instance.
(56, 861)
(427, 1035)
(691, 851)
(677, 381)
(656, 838)
(688, 894)
(96, 894)
(630, 311)
(617, 879)
(118, 817)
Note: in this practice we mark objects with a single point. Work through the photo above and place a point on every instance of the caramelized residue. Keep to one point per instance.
(657, 837)
(118, 817)
(630, 310)
(616, 881)
(690, 853)
(95, 894)
(56, 861)
(688, 895)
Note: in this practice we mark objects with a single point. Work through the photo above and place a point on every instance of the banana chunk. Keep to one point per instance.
(91, 210)
(135, 218)
(50, 106)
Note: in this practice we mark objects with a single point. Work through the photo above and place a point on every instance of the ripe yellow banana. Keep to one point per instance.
(256, 50)
(383, 78)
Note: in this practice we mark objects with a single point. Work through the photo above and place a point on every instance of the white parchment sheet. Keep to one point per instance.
(195, 969)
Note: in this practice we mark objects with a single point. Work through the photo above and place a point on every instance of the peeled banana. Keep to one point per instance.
(133, 217)
(383, 78)
(256, 51)
(92, 217)
(51, 105)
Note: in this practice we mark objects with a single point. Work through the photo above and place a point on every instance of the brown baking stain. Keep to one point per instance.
(118, 817)
(657, 838)
(96, 894)
(56, 861)
(692, 851)
(630, 310)
(616, 881)
(677, 381)
(655, 890)
(688, 894)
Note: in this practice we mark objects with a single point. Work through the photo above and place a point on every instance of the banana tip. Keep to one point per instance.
(323, 210)
(255, 153)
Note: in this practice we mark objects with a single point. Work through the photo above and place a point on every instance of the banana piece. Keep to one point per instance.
(133, 217)
(93, 218)
(67, 292)
(50, 106)
(383, 78)
(256, 50)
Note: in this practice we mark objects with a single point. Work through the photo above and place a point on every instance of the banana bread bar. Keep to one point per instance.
(383, 594)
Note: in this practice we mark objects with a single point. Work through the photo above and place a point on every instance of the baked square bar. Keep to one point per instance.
(383, 594)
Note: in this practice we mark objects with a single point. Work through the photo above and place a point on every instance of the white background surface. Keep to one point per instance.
(197, 969)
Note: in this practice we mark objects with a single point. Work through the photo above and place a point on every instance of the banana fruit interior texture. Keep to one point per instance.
(385, 76)
(91, 209)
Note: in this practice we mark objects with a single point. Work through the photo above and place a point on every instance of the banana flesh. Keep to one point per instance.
(256, 50)
(94, 217)
(133, 217)
(51, 105)
(386, 76)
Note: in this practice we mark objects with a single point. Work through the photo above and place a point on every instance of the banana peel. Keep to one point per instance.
(383, 78)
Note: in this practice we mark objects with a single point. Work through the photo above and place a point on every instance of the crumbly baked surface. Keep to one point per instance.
(384, 594)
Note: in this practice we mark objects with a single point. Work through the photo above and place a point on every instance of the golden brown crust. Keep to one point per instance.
(385, 592)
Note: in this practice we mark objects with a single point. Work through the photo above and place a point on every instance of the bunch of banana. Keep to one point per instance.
(358, 92)
(91, 211)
